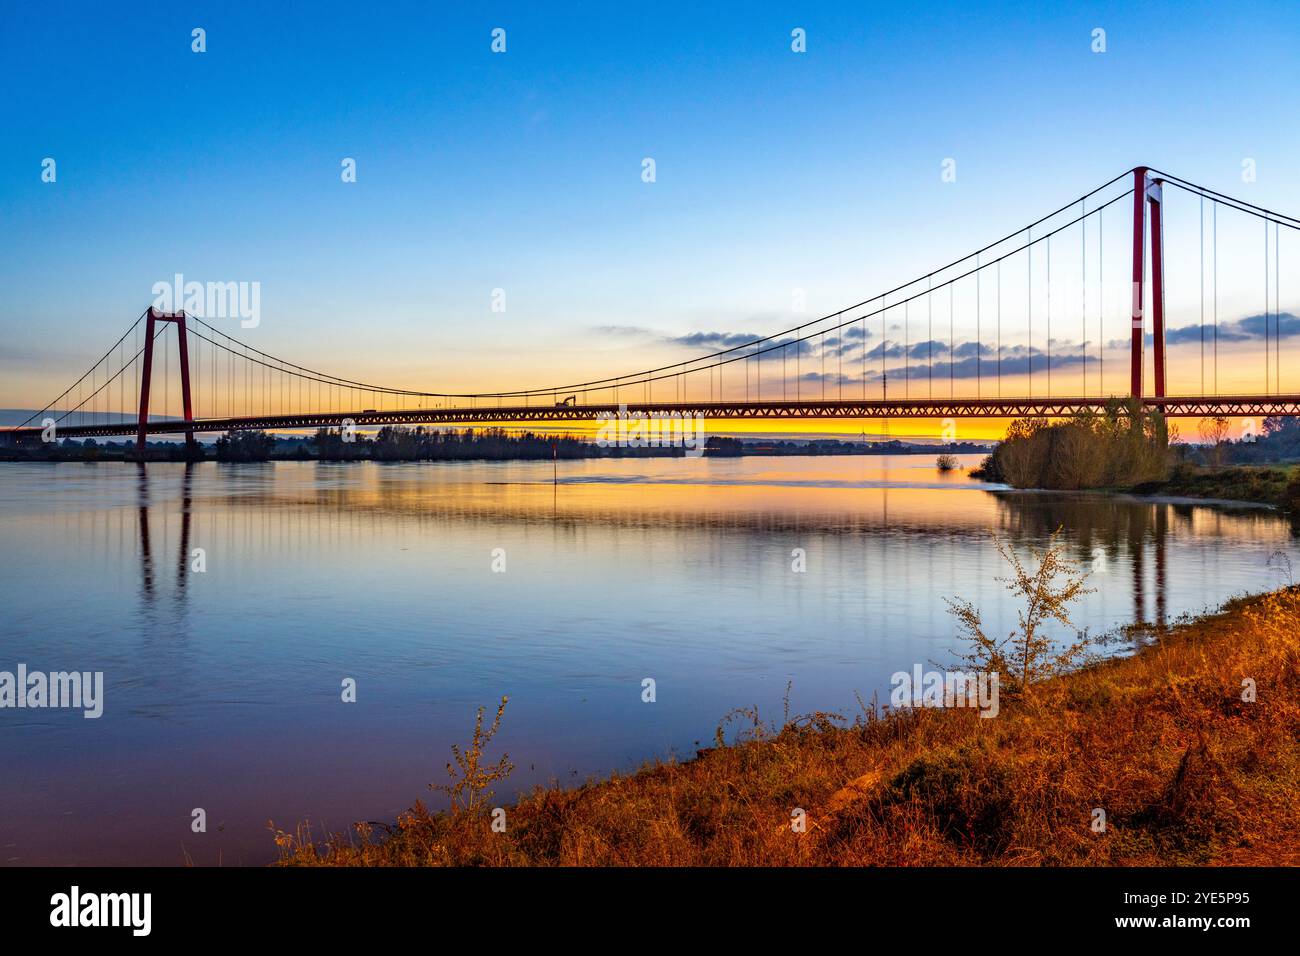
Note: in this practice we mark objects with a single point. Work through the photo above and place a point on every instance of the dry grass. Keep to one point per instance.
(1187, 772)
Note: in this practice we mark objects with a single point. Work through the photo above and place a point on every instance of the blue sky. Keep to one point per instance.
(522, 170)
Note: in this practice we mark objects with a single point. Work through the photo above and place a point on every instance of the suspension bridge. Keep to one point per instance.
(896, 355)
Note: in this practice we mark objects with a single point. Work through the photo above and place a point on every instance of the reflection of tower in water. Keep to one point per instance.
(146, 541)
(146, 553)
(1107, 527)
(1158, 531)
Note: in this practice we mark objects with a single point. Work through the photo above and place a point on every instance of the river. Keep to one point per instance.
(439, 587)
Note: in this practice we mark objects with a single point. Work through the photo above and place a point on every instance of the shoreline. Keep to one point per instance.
(1163, 742)
(1275, 486)
(1125, 494)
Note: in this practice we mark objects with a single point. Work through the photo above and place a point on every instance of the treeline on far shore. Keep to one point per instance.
(390, 443)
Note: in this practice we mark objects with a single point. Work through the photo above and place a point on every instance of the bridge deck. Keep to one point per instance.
(1234, 406)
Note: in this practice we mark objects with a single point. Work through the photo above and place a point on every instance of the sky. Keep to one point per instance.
(783, 180)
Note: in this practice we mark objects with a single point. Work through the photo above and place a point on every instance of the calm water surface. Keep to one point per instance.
(223, 688)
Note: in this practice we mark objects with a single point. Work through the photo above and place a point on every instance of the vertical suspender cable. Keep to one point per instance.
(979, 359)
(864, 348)
(907, 318)
(884, 376)
(1216, 296)
(841, 344)
(1101, 304)
(1083, 292)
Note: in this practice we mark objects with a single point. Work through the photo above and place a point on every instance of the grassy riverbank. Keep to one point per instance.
(1186, 771)
(1264, 484)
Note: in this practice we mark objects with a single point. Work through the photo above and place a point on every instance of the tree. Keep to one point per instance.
(1214, 435)
(469, 789)
(245, 446)
(1028, 655)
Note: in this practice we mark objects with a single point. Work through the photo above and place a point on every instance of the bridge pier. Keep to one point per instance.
(146, 376)
(1147, 192)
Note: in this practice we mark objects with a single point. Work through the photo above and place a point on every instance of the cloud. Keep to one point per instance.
(987, 367)
(924, 349)
(830, 379)
(714, 340)
(912, 360)
(973, 349)
(1246, 329)
(635, 331)
(727, 340)
(927, 349)
(1281, 325)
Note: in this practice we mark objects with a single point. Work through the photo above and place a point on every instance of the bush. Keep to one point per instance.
(965, 790)
(1121, 446)
(1291, 496)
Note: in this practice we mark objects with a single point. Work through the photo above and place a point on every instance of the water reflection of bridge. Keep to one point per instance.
(1102, 531)
(1115, 527)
